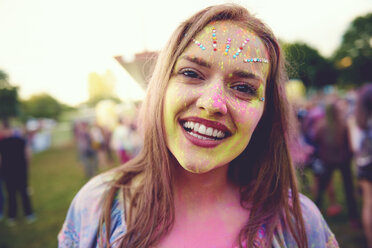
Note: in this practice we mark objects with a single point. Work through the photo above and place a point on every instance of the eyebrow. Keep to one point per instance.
(244, 74)
(198, 61)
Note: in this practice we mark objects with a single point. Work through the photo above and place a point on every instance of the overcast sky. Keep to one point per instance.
(51, 46)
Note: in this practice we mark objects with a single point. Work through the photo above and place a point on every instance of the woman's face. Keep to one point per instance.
(214, 98)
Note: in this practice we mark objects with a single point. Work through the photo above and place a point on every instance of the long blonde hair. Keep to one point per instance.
(263, 171)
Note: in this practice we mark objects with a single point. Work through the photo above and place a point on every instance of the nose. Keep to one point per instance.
(213, 100)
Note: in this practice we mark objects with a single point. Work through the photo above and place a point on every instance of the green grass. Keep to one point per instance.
(345, 234)
(55, 178)
(62, 134)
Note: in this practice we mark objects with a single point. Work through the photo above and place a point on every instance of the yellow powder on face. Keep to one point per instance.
(221, 65)
(202, 97)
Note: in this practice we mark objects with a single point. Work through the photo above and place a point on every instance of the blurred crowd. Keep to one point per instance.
(98, 145)
(335, 133)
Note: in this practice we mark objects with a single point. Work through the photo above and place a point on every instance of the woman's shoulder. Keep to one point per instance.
(82, 220)
(95, 188)
(317, 230)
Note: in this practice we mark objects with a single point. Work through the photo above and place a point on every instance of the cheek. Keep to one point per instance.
(177, 98)
(245, 117)
(246, 114)
(170, 105)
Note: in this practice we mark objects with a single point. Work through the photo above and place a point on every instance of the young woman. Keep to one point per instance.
(361, 137)
(214, 170)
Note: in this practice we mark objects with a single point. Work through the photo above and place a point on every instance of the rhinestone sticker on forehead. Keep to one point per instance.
(228, 46)
(198, 44)
(214, 39)
(260, 60)
(228, 43)
(240, 48)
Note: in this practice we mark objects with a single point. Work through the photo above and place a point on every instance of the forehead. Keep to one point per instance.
(228, 43)
(228, 29)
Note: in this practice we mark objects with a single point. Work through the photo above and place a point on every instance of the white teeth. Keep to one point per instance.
(209, 131)
(200, 137)
(196, 127)
(215, 131)
(220, 134)
(202, 129)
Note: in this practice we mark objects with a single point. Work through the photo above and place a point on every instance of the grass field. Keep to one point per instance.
(346, 236)
(56, 176)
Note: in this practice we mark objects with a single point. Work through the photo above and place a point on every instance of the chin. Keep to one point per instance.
(198, 169)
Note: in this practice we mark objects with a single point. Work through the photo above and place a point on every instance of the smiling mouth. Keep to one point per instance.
(204, 132)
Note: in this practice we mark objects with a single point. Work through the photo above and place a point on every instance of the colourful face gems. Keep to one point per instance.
(260, 60)
(228, 46)
(214, 38)
(210, 110)
(228, 42)
(198, 44)
(239, 50)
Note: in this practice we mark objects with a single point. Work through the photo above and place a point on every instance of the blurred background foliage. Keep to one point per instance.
(350, 64)
(9, 102)
(41, 106)
(353, 58)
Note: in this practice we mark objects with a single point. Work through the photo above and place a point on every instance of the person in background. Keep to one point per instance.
(15, 156)
(361, 137)
(215, 168)
(315, 115)
(107, 136)
(331, 137)
(2, 200)
(120, 140)
(1, 195)
(135, 139)
(98, 144)
(87, 154)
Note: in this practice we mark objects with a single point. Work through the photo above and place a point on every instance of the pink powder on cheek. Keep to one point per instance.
(244, 112)
(238, 105)
(251, 114)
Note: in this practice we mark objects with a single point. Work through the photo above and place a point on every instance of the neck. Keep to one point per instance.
(207, 210)
(208, 188)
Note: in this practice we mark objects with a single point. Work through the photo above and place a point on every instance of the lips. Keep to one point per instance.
(204, 132)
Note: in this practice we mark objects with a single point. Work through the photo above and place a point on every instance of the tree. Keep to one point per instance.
(42, 106)
(305, 63)
(4, 79)
(9, 103)
(354, 56)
